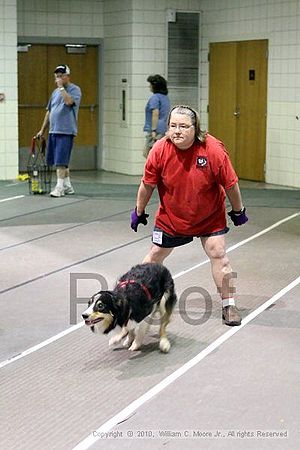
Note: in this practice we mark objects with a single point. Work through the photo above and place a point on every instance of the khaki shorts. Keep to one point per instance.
(150, 141)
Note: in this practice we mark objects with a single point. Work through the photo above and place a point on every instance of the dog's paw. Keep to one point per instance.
(134, 346)
(115, 340)
(128, 340)
(164, 345)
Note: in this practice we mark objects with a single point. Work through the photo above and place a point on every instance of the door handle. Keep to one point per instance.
(237, 112)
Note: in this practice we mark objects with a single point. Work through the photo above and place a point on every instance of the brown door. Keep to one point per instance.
(33, 91)
(36, 83)
(238, 103)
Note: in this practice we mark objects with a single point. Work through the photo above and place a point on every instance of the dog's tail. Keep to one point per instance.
(170, 298)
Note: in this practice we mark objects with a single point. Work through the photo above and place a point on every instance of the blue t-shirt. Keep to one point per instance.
(63, 118)
(162, 103)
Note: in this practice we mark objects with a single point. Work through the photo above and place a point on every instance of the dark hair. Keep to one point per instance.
(158, 83)
(194, 116)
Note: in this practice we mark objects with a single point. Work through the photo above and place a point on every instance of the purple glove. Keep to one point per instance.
(238, 217)
(136, 220)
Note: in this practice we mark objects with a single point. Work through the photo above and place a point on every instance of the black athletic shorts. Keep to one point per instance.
(166, 240)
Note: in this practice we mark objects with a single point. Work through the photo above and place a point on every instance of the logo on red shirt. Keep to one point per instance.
(201, 162)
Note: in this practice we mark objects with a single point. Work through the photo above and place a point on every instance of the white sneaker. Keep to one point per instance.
(68, 190)
(57, 192)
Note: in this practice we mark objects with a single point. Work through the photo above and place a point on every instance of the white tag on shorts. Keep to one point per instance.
(157, 237)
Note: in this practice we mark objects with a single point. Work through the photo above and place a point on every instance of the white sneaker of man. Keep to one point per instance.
(68, 190)
(57, 192)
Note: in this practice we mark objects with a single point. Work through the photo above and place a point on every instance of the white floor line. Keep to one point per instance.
(14, 183)
(11, 198)
(126, 412)
(41, 345)
(80, 324)
(239, 244)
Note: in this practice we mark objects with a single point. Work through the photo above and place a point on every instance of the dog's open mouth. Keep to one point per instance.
(92, 322)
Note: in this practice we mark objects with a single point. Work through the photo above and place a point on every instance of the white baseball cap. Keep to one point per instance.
(63, 68)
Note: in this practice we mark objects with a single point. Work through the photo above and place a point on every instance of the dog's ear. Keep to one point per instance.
(108, 297)
(110, 302)
(122, 310)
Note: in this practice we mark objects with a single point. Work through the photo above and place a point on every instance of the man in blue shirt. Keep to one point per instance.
(62, 118)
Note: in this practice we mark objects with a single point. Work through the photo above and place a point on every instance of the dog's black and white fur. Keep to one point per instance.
(143, 290)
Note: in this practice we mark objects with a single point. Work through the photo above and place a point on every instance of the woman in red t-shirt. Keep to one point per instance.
(193, 174)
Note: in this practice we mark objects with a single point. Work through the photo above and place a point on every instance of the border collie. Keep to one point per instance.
(137, 296)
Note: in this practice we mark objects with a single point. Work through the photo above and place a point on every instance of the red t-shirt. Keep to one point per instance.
(191, 186)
